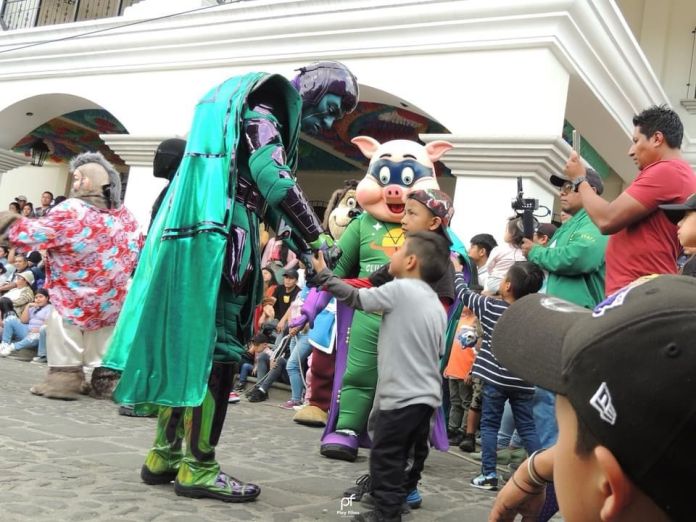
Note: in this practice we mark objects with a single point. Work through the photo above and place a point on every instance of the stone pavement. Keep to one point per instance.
(80, 461)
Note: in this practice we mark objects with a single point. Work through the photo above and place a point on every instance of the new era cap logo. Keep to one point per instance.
(601, 401)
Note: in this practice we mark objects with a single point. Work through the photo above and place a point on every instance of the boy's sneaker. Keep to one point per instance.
(488, 482)
(42, 359)
(6, 349)
(257, 395)
(233, 398)
(362, 485)
(290, 405)
(414, 499)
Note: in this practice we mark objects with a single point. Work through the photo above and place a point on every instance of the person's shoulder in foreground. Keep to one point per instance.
(621, 373)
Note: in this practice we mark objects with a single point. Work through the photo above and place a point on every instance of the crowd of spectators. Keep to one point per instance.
(587, 258)
(25, 303)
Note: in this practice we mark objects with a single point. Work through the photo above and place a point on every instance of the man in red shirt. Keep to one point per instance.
(643, 241)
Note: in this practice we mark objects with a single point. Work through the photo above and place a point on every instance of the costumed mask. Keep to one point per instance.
(95, 180)
(168, 157)
(328, 90)
(396, 168)
(341, 209)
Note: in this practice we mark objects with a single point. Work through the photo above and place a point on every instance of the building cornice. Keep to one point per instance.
(532, 157)
(590, 37)
(135, 151)
(11, 160)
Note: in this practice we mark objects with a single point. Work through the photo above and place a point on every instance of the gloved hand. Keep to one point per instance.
(324, 241)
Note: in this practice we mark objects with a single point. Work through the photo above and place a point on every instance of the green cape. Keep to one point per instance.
(165, 337)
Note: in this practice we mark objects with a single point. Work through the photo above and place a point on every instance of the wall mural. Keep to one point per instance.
(76, 132)
(73, 133)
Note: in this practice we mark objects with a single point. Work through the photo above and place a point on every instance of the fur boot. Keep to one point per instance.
(66, 383)
(103, 383)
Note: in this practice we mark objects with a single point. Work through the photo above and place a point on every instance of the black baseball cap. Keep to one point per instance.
(628, 368)
(546, 229)
(675, 212)
(291, 273)
(590, 175)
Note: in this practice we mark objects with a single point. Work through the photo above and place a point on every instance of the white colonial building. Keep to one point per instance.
(505, 80)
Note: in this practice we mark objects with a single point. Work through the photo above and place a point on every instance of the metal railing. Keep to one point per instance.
(23, 14)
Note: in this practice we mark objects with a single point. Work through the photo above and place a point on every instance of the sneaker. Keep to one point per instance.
(298, 407)
(488, 482)
(456, 438)
(290, 405)
(40, 359)
(258, 395)
(414, 499)
(6, 349)
(362, 485)
(240, 387)
(233, 398)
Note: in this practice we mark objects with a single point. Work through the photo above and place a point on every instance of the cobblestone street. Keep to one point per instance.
(74, 461)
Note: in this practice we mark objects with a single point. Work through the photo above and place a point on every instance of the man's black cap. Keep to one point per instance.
(676, 212)
(590, 175)
(628, 368)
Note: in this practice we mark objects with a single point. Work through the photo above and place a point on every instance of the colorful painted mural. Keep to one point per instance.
(79, 131)
(73, 133)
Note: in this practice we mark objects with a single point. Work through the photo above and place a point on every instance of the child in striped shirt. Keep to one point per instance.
(499, 385)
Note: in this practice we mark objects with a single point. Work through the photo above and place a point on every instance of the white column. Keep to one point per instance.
(143, 188)
(487, 169)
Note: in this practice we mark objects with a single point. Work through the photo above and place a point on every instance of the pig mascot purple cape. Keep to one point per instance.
(396, 168)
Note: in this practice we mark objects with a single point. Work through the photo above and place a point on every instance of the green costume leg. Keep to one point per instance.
(199, 473)
(162, 461)
(360, 379)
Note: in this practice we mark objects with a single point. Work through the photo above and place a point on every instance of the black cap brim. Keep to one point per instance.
(558, 181)
(675, 213)
(528, 338)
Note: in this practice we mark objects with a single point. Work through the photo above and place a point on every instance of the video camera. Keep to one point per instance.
(525, 208)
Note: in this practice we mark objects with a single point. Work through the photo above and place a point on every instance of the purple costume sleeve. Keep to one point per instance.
(315, 302)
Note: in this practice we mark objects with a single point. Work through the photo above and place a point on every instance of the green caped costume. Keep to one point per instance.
(188, 314)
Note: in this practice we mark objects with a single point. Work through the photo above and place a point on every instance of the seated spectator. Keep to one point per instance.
(28, 210)
(6, 273)
(22, 294)
(21, 264)
(21, 201)
(20, 336)
(284, 295)
(249, 364)
(36, 265)
(4, 253)
(14, 207)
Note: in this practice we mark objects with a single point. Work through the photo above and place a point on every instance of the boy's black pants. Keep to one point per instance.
(395, 433)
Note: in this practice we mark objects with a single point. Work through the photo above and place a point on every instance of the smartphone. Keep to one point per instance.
(576, 141)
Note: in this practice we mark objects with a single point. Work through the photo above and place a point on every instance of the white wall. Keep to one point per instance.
(31, 182)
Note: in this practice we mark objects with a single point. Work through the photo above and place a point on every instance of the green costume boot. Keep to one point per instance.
(163, 460)
(199, 473)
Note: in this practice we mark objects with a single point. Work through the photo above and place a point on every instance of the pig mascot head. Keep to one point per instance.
(396, 168)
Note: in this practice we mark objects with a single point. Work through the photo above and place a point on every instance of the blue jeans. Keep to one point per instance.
(494, 398)
(544, 419)
(299, 353)
(244, 372)
(13, 329)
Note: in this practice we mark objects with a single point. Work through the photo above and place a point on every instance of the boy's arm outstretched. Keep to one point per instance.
(368, 299)
(475, 302)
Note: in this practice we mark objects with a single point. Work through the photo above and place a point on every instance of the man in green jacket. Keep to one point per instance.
(574, 259)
